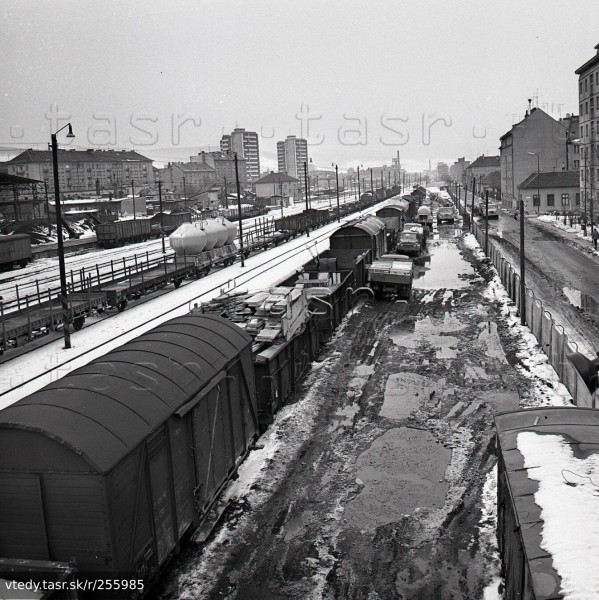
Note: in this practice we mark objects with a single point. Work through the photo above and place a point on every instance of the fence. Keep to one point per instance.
(550, 335)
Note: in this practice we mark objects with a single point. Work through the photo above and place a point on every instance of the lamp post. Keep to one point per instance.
(538, 182)
(61, 266)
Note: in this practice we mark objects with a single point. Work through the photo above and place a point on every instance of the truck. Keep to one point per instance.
(422, 230)
(425, 216)
(391, 275)
(480, 209)
(410, 243)
(445, 214)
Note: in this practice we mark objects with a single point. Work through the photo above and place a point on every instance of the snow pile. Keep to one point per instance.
(576, 228)
(470, 243)
(487, 528)
(568, 496)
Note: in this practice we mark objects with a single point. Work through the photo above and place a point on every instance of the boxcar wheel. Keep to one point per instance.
(177, 283)
(78, 322)
(122, 305)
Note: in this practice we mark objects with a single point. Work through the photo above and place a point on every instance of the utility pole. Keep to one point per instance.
(48, 208)
(337, 183)
(372, 185)
(226, 195)
(307, 203)
(472, 209)
(487, 222)
(359, 194)
(133, 198)
(522, 266)
(161, 215)
(239, 212)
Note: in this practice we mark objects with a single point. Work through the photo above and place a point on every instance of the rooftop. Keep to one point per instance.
(551, 179)
(276, 178)
(75, 156)
(485, 161)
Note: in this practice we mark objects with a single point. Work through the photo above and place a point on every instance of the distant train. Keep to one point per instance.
(15, 250)
(114, 464)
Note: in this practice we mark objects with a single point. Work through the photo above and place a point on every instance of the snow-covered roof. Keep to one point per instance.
(551, 458)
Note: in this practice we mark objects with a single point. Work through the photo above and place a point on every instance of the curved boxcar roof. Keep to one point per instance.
(103, 410)
(368, 224)
(581, 427)
(392, 210)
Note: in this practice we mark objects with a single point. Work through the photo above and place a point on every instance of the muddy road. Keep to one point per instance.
(375, 482)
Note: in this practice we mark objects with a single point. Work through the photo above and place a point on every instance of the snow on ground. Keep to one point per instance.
(51, 362)
(487, 528)
(575, 228)
(546, 390)
(568, 496)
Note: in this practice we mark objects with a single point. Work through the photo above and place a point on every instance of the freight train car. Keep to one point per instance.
(15, 249)
(118, 233)
(168, 222)
(115, 462)
(548, 470)
(358, 236)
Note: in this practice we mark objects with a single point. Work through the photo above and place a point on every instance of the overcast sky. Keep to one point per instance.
(360, 80)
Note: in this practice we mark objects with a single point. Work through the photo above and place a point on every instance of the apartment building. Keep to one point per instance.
(245, 145)
(291, 155)
(90, 170)
(537, 142)
(588, 94)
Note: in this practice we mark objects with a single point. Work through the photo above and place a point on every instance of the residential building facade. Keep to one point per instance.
(537, 135)
(481, 167)
(188, 178)
(245, 145)
(292, 154)
(550, 191)
(277, 185)
(588, 94)
(93, 171)
(458, 169)
(224, 166)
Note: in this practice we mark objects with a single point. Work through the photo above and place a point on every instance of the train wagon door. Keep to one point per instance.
(22, 524)
(160, 485)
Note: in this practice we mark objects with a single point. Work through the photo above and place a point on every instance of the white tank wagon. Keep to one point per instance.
(210, 241)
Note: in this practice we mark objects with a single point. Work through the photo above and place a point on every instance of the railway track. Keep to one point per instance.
(11, 387)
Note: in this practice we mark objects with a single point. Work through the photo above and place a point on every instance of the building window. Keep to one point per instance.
(565, 199)
(550, 199)
(577, 200)
(576, 165)
(536, 200)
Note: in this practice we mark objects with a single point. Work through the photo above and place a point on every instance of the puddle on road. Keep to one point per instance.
(405, 392)
(401, 471)
(444, 269)
(583, 301)
(429, 331)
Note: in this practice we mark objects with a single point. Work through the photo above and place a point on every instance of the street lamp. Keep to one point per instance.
(61, 266)
(538, 181)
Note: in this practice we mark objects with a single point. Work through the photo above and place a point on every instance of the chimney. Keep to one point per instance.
(529, 107)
